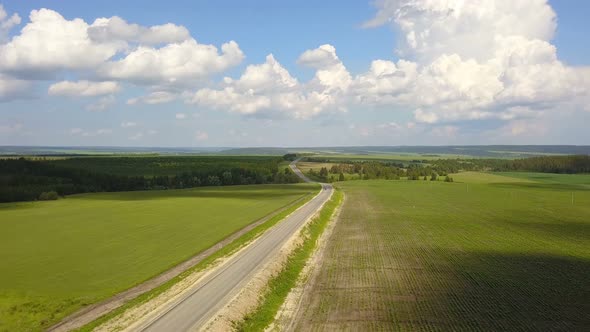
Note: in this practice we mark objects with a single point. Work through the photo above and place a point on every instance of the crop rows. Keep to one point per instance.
(431, 257)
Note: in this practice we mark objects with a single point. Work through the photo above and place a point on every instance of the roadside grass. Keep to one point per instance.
(280, 285)
(414, 255)
(56, 257)
(229, 249)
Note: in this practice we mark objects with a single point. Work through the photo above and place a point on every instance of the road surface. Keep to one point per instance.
(201, 301)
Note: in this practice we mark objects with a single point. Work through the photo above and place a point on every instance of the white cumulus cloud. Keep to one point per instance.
(49, 42)
(268, 87)
(109, 49)
(173, 64)
(116, 28)
(7, 23)
(471, 60)
(83, 88)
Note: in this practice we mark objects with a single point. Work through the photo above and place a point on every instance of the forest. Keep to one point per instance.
(431, 170)
(27, 180)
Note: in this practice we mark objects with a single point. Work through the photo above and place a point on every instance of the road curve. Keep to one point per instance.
(201, 301)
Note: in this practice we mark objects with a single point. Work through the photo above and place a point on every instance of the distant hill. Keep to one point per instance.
(256, 151)
(480, 151)
(101, 150)
(469, 150)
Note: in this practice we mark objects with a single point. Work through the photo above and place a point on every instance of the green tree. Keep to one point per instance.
(213, 180)
(290, 156)
(335, 169)
(48, 196)
(341, 177)
(227, 178)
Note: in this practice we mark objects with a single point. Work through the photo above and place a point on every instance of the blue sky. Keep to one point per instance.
(454, 84)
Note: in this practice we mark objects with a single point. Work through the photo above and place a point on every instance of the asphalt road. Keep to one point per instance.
(201, 301)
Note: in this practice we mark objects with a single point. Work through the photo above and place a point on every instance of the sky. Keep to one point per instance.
(294, 73)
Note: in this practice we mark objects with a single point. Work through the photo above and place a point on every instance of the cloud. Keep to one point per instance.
(83, 88)
(128, 124)
(49, 43)
(467, 28)
(201, 136)
(462, 61)
(180, 116)
(385, 82)
(459, 61)
(321, 57)
(102, 104)
(76, 131)
(110, 49)
(268, 87)
(156, 97)
(116, 28)
(471, 60)
(230, 99)
(268, 76)
(173, 64)
(331, 73)
(7, 23)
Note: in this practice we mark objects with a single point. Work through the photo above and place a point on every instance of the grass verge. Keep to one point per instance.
(280, 285)
(204, 264)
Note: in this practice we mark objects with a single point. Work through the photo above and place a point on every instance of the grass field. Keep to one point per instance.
(580, 180)
(389, 157)
(58, 256)
(487, 253)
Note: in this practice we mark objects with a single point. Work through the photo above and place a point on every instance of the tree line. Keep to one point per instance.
(27, 180)
(573, 164)
(435, 169)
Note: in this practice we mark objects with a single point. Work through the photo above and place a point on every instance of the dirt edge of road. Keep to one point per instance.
(92, 312)
(248, 299)
(285, 319)
(130, 317)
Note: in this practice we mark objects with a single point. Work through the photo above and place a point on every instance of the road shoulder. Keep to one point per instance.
(288, 314)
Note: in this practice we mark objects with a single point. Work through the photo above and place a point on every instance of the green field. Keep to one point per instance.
(387, 157)
(556, 180)
(486, 253)
(58, 256)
